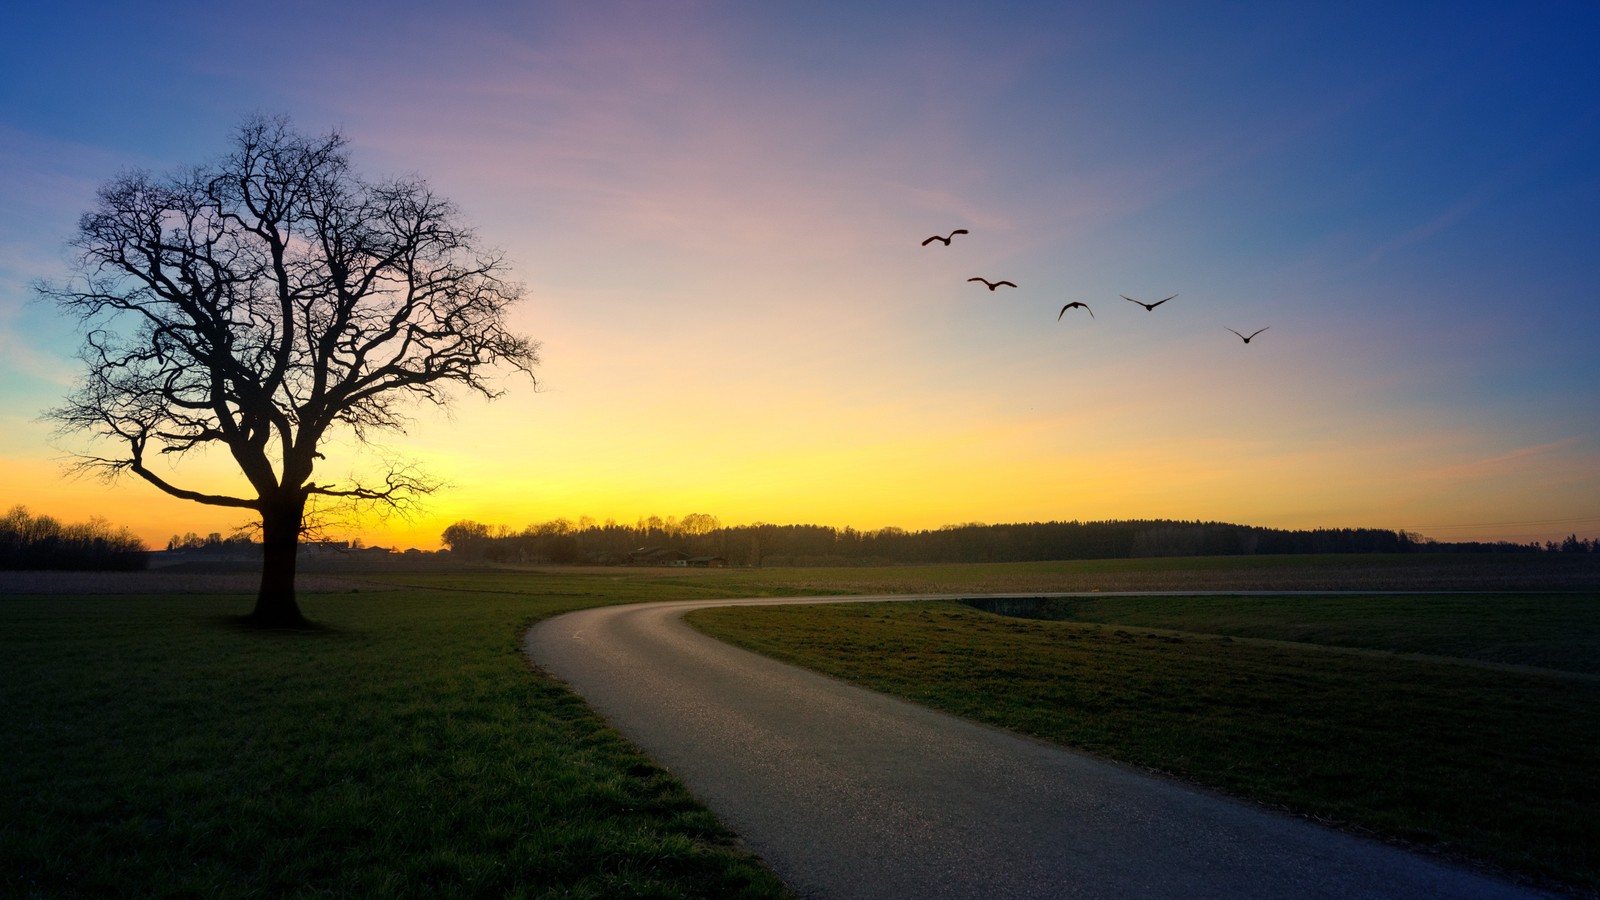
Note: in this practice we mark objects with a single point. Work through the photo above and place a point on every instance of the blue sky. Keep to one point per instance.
(717, 210)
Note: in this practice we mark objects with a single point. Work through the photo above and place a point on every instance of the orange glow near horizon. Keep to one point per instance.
(991, 474)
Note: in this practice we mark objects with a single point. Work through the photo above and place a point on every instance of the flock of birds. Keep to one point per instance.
(992, 285)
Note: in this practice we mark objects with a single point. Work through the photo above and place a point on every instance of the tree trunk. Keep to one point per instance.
(280, 542)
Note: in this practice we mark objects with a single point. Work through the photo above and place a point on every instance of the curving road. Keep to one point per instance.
(849, 793)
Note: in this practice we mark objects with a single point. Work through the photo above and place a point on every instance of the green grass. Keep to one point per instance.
(1551, 630)
(151, 750)
(1471, 761)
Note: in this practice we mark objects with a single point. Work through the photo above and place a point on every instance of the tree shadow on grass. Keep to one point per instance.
(246, 624)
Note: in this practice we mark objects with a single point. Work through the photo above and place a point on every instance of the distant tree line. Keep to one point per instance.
(28, 541)
(214, 544)
(1573, 544)
(700, 535)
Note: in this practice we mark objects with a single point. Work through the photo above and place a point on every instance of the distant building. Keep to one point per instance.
(325, 546)
(708, 562)
(657, 556)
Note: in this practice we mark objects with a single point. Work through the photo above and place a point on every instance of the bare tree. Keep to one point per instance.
(264, 303)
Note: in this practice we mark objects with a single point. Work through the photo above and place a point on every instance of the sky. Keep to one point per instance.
(717, 211)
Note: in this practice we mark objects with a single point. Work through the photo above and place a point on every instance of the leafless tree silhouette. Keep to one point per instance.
(268, 301)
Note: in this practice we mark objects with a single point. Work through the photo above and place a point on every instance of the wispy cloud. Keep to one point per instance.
(1517, 459)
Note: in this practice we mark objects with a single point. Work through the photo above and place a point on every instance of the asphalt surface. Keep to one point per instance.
(847, 793)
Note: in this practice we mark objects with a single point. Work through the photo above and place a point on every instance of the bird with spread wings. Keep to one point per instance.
(945, 238)
(1148, 307)
(992, 284)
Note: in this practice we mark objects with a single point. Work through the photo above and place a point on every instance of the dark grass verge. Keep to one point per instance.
(1558, 631)
(402, 748)
(1477, 764)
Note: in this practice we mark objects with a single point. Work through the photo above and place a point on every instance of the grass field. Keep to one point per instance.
(1542, 630)
(151, 748)
(1466, 758)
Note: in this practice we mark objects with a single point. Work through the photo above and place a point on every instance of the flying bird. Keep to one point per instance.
(1147, 306)
(992, 284)
(940, 237)
(1071, 305)
(1252, 334)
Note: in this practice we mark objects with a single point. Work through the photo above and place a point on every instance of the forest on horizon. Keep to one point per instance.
(702, 538)
(29, 541)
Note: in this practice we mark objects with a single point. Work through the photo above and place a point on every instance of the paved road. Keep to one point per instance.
(848, 793)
